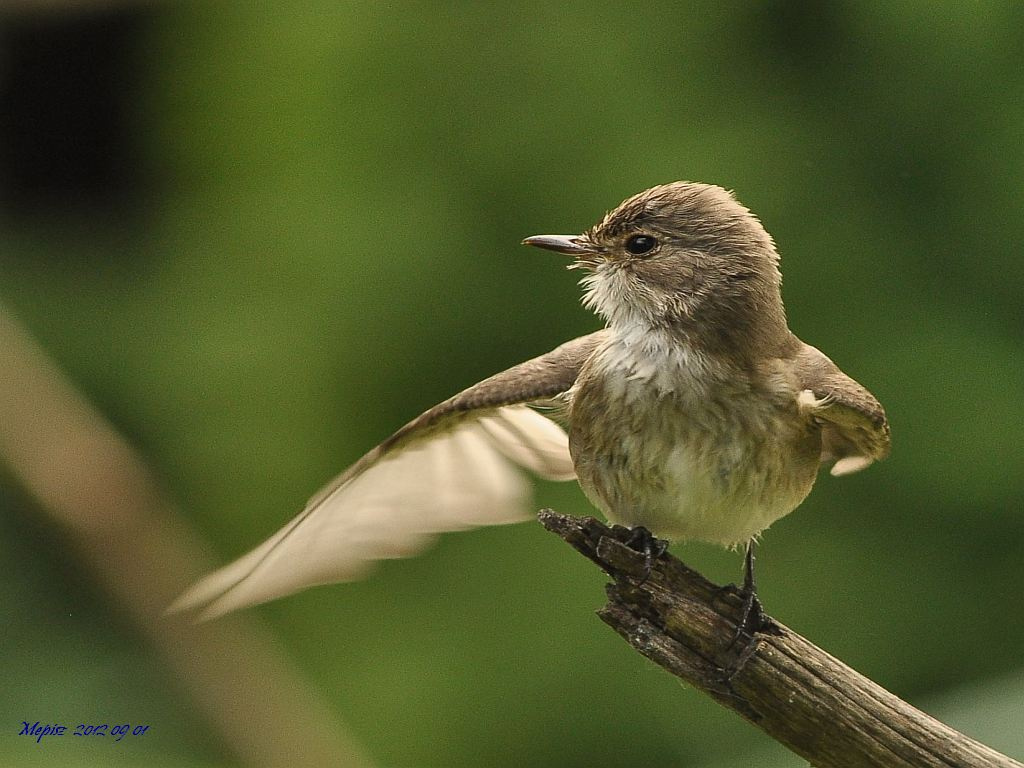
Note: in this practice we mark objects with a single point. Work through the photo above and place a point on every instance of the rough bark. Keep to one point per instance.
(799, 695)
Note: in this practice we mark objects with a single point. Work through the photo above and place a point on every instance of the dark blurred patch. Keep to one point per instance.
(67, 82)
(804, 36)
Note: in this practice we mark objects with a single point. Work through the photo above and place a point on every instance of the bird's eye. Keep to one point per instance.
(640, 244)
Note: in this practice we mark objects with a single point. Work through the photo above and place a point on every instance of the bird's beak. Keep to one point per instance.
(570, 245)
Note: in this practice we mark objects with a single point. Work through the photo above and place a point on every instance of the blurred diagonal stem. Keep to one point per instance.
(792, 690)
(89, 480)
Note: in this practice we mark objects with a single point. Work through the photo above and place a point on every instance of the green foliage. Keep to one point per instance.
(333, 246)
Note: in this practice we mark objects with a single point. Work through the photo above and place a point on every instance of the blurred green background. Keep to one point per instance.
(259, 237)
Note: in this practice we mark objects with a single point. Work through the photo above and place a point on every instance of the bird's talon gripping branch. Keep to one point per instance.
(647, 544)
(752, 617)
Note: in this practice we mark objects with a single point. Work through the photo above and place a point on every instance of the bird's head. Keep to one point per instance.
(683, 256)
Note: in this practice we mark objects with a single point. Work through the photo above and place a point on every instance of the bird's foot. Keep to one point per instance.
(752, 619)
(647, 544)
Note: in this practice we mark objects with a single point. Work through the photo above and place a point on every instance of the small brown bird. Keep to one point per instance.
(694, 414)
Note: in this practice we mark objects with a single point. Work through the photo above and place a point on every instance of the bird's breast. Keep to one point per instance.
(679, 443)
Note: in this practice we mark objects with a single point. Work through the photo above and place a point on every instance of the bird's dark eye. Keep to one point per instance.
(640, 244)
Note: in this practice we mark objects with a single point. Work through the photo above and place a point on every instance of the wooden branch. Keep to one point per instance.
(792, 690)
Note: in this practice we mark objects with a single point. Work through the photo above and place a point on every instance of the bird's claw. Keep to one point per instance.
(752, 619)
(647, 544)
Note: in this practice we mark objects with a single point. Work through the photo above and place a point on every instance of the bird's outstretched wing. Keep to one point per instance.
(455, 466)
(855, 432)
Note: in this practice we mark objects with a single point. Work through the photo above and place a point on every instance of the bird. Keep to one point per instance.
(694, 414)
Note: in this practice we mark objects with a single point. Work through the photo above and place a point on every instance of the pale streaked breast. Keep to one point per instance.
(687, 450)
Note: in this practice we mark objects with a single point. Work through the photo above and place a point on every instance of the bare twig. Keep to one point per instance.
(792, 690)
